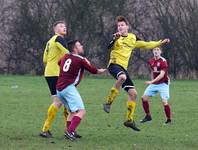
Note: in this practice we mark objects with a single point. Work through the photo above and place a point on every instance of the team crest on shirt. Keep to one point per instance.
(155, 69)
(158, 64)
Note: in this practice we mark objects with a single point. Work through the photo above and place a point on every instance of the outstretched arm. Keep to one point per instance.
(101, 71)
(151, 44)
(92, 69)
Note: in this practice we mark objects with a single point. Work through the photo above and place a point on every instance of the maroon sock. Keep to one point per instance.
(167, 111)
(68, 124)
(74, 124)
(145, 105)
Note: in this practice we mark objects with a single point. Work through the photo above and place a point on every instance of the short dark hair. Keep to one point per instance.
(58, 22)
(121, 18)
(71, 44)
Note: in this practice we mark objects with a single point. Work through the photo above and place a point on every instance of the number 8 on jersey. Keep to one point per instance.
(67, 65)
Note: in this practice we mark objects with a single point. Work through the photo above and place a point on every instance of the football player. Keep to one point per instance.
(55, 49)
(72, 67)
(122, 46)
(159, 83)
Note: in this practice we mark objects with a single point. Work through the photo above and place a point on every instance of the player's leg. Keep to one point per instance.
(69, 119)
(53, 108)
(164, 93)
(167, 111)
(75, 122)
(51, 113)
(145, 105)
(77, 110)
(150, 91)
(131, 103)
(66, 114)
(118, 73)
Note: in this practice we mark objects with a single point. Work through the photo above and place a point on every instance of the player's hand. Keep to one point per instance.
(165, 41)
(101, 71)
(148, 82)
(116, 35)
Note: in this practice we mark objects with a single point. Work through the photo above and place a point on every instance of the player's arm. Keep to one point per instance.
(152, 77)
(159, 77)
(150, 44)
(92, 69)
(45, 54)
(61, 44)
(114, 38)
(111, 43)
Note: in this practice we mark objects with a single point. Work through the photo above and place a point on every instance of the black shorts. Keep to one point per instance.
(116, 70)
(51, 81)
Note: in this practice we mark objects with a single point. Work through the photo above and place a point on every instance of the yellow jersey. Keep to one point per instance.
(55, 49)
(122, 48)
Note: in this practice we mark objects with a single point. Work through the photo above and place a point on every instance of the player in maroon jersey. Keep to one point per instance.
(72, 67)
(159, 83)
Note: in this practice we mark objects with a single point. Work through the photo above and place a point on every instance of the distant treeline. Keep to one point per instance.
(26, 25)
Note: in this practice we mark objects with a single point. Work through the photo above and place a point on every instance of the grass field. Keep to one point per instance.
(24, 101)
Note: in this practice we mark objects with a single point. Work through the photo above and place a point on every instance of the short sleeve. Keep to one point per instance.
(164, 65)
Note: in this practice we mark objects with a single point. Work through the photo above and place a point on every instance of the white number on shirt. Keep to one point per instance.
(67, 65)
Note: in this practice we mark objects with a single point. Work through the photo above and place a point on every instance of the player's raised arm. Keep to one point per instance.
(114, 38)
(150, 44)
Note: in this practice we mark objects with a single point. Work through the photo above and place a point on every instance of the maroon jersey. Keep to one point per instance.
(157, 66)
(71, 70)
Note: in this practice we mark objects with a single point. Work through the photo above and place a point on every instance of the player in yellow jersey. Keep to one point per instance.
(55, 49)
(121, 47)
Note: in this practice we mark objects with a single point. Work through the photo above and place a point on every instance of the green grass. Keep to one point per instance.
(24, 101)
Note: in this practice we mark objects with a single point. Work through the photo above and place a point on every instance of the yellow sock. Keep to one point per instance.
(51, 113)
(130, 110)
(113, 93)
(65, 113)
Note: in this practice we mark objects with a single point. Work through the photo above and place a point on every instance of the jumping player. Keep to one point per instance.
(55, 49)
(159, 83)
(72, 67)
(121, 47)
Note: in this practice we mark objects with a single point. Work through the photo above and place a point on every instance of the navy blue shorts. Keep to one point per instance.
(51, 81)
(116, 70)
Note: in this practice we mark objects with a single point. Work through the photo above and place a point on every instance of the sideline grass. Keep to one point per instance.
(24, 101)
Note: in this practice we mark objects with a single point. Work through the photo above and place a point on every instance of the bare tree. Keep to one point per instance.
(179, 22)
(27, 25)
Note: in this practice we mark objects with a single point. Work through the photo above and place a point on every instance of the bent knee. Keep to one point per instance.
(122, 78)
(132, 93)
(81, 113)
(164, 102)
(57, 103)
(145, 98)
